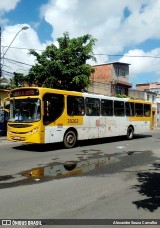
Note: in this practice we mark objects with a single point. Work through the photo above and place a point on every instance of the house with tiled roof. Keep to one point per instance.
(110, 79)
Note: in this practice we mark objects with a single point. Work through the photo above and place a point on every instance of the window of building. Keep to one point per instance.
(75, 106)
(119, 108)
(123, 72)
(148, 97)
(118, 90)
(117, 71)
(92, 106)
(126, 91)
(106, 107)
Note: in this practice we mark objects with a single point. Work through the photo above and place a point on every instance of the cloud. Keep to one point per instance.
(143, 62)
(144, 66)
(105, 20)
(6, 6)
(118, 27)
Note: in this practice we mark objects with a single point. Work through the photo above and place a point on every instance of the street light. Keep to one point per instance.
(23, 28)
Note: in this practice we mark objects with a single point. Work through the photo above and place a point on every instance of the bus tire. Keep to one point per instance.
(70, 139)
(130, 133)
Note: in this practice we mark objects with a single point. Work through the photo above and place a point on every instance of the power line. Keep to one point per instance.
(132, 56)
(18, 62)
(105, 54)
(6, 66)
(23, 48)
(7, 72)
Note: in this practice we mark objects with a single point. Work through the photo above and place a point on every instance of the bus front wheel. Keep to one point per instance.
(70, 139)
(130, 133)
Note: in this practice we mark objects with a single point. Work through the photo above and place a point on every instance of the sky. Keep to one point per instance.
(127, 31)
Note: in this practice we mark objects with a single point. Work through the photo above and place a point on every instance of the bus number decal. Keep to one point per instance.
(72, 120)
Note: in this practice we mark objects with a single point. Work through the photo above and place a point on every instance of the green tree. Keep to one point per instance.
(17, 80)
(64, 67)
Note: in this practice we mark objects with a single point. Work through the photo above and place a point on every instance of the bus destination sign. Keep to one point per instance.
(24, 92)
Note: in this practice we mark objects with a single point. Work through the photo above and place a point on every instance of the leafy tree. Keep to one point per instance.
(123, 96)
(64, 67)
(17, 80)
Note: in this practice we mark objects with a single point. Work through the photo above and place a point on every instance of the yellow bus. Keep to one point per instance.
(44, 115)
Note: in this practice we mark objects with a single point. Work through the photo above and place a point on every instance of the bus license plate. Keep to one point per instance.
(16, 137)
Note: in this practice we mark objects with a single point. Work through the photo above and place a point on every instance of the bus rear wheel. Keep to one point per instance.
(130, 133)
(70, 139)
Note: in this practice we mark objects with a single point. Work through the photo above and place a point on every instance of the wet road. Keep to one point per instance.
(112, 178)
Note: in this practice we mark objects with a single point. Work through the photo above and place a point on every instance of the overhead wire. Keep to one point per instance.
(18, 62)
(111, 55)
(12, 61)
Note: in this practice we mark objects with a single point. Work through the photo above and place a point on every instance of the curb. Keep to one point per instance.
(3, 138)
(156, 129)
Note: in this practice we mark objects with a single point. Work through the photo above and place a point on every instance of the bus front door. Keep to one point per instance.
(3, 124)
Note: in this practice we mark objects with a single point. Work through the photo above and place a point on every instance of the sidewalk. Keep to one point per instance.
(156, 129)
(3, 138)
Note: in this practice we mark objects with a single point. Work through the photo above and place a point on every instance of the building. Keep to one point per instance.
(3, 94)
(110, 79)
(147, 95)
(153, 87)
(113, 78)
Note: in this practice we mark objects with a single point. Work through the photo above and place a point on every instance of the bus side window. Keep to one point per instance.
(75, 106)
(129, 107)
(138, 109)
(106, 107)
(147, 110)
(119, 108)
(92, 106)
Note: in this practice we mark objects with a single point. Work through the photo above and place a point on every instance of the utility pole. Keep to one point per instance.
(0, 56)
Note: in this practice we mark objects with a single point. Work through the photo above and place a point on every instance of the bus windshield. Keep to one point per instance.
(25, 110)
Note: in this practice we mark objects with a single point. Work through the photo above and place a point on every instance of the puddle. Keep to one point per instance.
(70, 168)
(58, 170)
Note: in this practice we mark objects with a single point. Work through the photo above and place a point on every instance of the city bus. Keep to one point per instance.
(44, 115)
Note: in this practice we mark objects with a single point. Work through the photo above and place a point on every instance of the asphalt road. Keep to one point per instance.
(99, 179)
